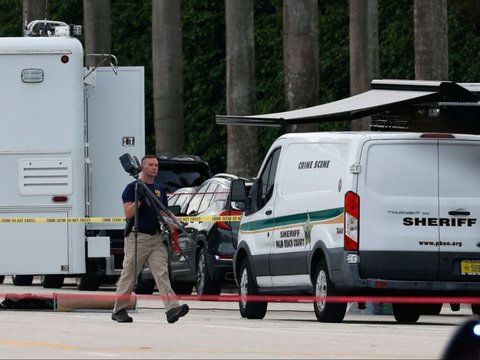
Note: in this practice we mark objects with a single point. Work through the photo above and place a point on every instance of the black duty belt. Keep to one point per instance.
(149, 232)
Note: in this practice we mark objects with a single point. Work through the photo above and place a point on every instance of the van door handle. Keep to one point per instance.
(268, 212)
(459, 212)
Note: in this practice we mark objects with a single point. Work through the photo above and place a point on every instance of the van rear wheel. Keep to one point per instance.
(249, 309)
(326, 311)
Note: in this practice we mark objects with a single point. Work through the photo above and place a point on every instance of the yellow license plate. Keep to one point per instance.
(470, 267)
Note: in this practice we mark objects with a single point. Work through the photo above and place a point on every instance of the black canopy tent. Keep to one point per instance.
(386, 98)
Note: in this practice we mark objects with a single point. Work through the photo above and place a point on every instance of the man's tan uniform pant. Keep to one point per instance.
(151, 249)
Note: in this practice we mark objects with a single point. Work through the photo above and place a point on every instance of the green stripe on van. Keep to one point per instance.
(300, 218)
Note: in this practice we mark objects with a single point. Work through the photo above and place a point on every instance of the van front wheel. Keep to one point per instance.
(326, 311)
(249, 309)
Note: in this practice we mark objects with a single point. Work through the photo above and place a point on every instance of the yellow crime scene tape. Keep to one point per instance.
(114, 219)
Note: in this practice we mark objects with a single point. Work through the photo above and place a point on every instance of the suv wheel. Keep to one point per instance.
(326, 311)
(205, 284)
(182, 287)
(249, 309)
(143, 287)
(406, 313)
(179, 287)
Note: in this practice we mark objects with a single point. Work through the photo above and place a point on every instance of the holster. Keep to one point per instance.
(128, 227)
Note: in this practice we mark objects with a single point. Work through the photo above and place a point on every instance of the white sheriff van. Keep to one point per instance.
(362, 213)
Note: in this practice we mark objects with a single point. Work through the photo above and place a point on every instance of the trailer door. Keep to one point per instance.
(116, 118)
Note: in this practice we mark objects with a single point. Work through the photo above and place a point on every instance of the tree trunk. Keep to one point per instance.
(431, 39)
(364, 51)
(167, 77)
(242, 154)
(33, 10)
(301, 56)
(97, 29)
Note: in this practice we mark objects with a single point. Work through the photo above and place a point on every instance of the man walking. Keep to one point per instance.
(151, 247)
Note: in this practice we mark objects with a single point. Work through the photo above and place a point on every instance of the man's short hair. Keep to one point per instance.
(148, 157)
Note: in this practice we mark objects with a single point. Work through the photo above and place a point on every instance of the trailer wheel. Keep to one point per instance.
(249, 309)
(406, 313)
(22, 280)
(326, 311)
(206, 285)
(87, 282)
(53, 281)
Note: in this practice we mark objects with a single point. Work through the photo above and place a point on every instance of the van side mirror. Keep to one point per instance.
(238, 193)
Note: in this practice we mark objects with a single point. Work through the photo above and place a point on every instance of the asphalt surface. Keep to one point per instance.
(215, 329)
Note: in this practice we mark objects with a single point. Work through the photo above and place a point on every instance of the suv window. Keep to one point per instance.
(182, 197)
(197, 199)
(207, 198)
(221, 194)
(220, 198)
(211, 195)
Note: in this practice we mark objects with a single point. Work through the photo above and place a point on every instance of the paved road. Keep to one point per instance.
(216, 330)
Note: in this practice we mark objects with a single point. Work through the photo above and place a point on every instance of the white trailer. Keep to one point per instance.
(63, 129)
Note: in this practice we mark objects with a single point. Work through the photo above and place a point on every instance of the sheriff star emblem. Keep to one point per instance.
(307, 230)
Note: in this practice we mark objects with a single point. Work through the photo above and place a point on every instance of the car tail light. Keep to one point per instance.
(224, 224)
(352, 218)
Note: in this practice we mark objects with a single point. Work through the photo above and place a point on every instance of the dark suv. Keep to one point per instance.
(181, 171)
(206, 262)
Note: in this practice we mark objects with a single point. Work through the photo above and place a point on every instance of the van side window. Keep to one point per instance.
(268, 176)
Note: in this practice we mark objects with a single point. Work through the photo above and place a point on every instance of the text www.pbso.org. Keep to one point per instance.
(441, 243)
